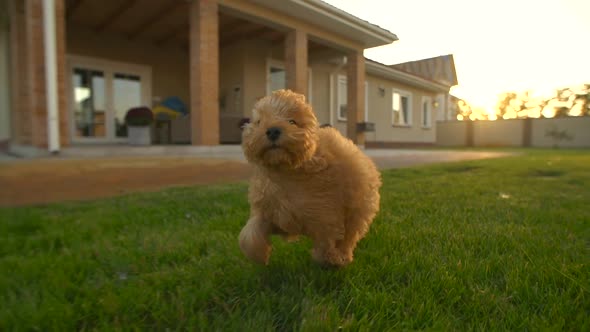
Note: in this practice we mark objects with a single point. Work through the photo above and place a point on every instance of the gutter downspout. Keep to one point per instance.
(51, 75)
(332, 101)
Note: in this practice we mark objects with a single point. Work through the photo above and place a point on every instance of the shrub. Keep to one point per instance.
(139, 116)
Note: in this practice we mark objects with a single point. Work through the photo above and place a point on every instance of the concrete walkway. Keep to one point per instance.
(80, 173)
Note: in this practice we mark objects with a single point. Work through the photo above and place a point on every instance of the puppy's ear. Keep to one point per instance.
(300, 97)
(243, 122)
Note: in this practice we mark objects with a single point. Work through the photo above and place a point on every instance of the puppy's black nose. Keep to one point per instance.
(273, 133)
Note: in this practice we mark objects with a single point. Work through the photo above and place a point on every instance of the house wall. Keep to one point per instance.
(380, 113)
(170, 70)
(320, 87)
(514, 133)
(242, 82)
(231, 79)
(4, 79)
(256, 53)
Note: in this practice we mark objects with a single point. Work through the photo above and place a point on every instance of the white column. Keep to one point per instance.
(51, 75)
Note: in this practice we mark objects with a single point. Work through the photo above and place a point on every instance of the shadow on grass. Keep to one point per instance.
(546, 173)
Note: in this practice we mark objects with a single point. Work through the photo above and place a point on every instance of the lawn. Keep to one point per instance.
(487, 245)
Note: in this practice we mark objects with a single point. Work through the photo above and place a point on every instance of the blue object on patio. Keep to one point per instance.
(176, 104)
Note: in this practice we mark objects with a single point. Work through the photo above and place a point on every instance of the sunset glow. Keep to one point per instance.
(498, 46)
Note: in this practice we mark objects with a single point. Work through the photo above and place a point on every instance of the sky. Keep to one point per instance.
(498, 45)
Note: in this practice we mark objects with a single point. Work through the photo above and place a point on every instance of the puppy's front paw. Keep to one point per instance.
(255, 243)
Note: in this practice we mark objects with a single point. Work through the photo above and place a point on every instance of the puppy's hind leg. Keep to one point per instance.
(325, 252)
(348, 244)
(255, 240)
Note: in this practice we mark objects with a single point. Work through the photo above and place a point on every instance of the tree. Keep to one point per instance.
(566, 102)
(464, 110)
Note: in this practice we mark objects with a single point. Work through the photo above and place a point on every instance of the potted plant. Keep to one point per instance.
(139, 120)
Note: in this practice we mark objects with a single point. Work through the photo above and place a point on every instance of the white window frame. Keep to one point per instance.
(281, 65)
(341, 79)
(109, 68)
(426, 121)
(402, 93)
(344, 78)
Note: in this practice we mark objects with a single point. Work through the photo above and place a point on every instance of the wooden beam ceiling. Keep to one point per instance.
(180, 30)
(74, 4)
(248, 32)
(164, 10)
(115, 14)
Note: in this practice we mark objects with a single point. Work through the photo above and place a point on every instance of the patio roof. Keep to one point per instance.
(165, 22)
(333, 19)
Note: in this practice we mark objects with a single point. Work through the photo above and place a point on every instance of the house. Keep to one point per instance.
(76, 67)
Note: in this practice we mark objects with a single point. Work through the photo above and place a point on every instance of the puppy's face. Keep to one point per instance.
(283, 131)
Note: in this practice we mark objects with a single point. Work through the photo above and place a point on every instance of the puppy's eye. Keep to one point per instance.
(257, 122)
(292, 122)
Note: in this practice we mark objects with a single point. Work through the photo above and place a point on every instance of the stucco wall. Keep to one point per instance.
(451, 133)
(578, 128)
(511, 132)
(320, 89)
(231, 79)
(4, 83)
(255, 55)
(498, 133)
(170, 74)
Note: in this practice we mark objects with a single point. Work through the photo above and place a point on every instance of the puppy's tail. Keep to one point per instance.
(255, 241)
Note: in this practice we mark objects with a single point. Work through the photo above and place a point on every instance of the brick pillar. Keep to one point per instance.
(296, 61)
(204, 72)
(62, 94)
(17, 73)
(35, 62)
(29, 107)
(355, 108)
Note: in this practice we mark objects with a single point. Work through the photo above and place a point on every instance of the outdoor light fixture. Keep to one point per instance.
(381, 91)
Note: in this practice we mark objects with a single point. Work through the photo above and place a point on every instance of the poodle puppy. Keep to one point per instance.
(307, 181)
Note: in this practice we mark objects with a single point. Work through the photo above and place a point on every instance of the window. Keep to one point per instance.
(401, 108)
(426, 112)
(342, 101)
(277, 78)
(126, 94)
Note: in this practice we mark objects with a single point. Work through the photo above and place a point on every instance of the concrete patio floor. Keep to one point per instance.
(93, 172)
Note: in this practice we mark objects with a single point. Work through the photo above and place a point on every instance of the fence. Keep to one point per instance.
(570, 132)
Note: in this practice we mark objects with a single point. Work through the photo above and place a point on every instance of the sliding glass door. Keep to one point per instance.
(101, 92)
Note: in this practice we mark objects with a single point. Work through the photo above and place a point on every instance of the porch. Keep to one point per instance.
(217, 57)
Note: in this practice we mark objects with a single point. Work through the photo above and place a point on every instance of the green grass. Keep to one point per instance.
(486, 245)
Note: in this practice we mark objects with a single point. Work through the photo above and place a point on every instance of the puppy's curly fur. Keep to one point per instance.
(307, 181)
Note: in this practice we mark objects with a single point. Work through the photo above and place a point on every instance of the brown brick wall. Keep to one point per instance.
(62, 101)
(35, 81)
(296, 61)
(355, 70)
(29, 107)
(204, 72)
(20, 118)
